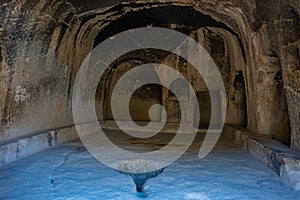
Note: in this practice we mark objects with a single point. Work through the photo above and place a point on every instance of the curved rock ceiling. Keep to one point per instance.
(43, 43)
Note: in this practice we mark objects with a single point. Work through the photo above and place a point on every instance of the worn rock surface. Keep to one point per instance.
(281, 159)
(254, 43)
(70, 172)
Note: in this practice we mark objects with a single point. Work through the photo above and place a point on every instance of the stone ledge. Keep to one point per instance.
(24, 147)
(280, 158)
(168, 127)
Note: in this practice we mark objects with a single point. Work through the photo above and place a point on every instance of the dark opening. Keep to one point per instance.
(240, 99)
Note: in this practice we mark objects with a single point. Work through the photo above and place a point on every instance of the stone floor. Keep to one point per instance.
(69, 172)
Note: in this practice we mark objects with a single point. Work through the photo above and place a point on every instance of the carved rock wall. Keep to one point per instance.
(43, 43)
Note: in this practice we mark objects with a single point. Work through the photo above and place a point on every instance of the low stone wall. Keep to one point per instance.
(26, 146)
(280, 158)
(168, 127)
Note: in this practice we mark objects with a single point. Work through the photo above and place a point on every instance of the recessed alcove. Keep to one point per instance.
(43, 150)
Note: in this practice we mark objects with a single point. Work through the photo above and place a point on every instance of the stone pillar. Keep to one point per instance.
(289, 43)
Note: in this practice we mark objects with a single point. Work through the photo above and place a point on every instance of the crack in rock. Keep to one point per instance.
(66, 158)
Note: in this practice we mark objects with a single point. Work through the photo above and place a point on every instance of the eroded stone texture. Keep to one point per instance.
(294, 99)
(283, 160)
(254, 43)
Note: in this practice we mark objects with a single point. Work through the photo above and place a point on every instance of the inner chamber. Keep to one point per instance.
(220, 42)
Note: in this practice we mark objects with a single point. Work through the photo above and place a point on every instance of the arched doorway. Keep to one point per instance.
(213, 35)
(142, 99)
